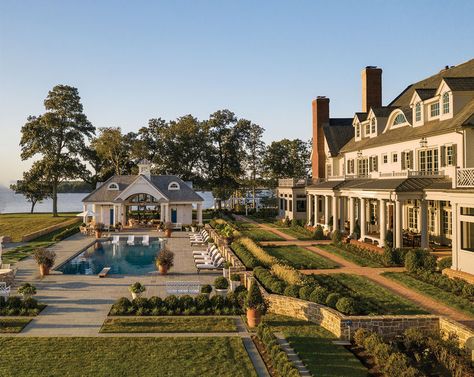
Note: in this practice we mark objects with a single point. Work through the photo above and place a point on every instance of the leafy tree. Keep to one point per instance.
(111, 149)
(58, 138)
(33, 186)
(287, 158)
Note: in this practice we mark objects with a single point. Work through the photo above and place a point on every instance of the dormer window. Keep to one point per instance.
(367, 129)
(357, 130)
(399, 119)
(113, 186)
(173, 186)
(418, 112)
(372, 125)
(446, 103)
(434, 110)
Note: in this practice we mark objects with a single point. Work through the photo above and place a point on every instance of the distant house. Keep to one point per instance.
(126, 197)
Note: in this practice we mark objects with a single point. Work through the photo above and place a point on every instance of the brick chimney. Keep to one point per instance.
(371, 88)
(320, 119)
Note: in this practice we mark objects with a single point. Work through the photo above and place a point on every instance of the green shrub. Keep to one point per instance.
(397, 365)
(171, 302)
(221, 283)
(271, 283)
(155, 302)
(359, 336)
(382, 352)
(217, 302)
(245, 256)
(389, 238)
(332, 299)
(372, 341)
(206, 288)
(68, 232)
(318, 233)
(255, 300)
(305, 292)
(336, 236)
(347, 305)
(292, 291)
(186, 302)
(141, 302)
(319, 295)
(445, 262)
(419, 259)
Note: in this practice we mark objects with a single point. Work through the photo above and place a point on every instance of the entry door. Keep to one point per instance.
(174, 215)
(111, 217)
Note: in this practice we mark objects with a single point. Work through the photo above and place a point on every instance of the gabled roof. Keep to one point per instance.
(460, 84)
(425, 93)
(465, 70)
(361, 116)
(382, 112)
(338, 133)
(161, 182)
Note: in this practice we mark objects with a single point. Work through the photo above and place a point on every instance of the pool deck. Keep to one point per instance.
(79, 304)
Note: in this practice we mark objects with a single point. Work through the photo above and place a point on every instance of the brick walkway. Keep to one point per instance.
(373, 274)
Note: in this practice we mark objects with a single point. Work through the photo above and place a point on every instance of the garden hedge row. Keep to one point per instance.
(457, 286)
(68, 232)
(246, 257)
(18, 306)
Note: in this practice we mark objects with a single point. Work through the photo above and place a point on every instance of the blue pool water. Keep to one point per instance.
(122, 258)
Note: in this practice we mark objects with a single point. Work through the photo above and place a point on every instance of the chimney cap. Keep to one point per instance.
(371, 67)
(321, 97)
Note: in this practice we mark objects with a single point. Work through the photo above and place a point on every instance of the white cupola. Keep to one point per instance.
(144, 168)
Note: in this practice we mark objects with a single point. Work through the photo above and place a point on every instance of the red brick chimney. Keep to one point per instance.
(371, 88)
(320, 119)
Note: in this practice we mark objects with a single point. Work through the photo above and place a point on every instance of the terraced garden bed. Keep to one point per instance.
(13, 325)
(355, 257)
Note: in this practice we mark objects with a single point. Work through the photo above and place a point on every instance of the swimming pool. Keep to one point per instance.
(123, 259)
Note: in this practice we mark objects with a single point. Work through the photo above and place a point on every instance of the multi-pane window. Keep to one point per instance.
(434, 109)
(428, 160)
(412, 218)
(367, 129)
(446, 103)
(446, 222)
(394, 157)
(328, 170)
(418, 112)
(432, 220)
(373, 163)
(350, 166)
(449, 155)
(358, 130)
(399, 119)
(385, 158)
(372, 126)
(363, 166)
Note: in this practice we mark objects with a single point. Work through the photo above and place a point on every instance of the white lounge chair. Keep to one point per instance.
(205, 258)
(4, 290)
(202, 234)
(146, 240)
(205, 252)
(131, 240)
(200, 241)
(210, 266)
(115, 239)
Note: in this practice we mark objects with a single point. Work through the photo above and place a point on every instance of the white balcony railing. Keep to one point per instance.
(293, 182)
(413, 174)
(465, 177)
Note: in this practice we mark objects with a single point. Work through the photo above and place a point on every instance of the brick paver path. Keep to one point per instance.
(374, 274)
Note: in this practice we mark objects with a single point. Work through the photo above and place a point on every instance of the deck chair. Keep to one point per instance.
(131, 240)
(116, 239)
(4, 290)
(210, 266)
(146, 240)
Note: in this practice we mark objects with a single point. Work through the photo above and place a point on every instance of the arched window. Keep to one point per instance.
(446, 103)
(418, 112)
(173, 186)
(399, 119)
(112, 186)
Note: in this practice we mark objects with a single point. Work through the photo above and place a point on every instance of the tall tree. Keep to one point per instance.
(58, 138)
(33, 186)
(287, 158)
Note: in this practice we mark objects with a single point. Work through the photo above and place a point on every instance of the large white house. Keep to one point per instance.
(172, 199)
(407, 166)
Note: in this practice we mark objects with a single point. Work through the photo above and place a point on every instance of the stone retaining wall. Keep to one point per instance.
(458, 274)
(50, 229)
(448, 326)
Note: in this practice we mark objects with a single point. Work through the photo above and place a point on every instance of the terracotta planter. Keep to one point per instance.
(98, 234)
(44, 270)
(168, 233)
(163, 269)
(254, 317)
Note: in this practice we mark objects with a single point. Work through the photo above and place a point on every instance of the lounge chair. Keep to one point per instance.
(210, 266)
(146, 240)
(116, 239)
(5, 266)
(205, 252)
(202, 234)
(131, 240)
(200, 241)
(4, 290)
(211, 257)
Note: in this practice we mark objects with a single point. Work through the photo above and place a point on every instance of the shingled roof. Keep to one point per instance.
(338, 133)
(460, 84)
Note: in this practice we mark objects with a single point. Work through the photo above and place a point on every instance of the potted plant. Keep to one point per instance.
(45, 259)
(168, 229)
(193, 227)
(98, 228)
(136, 289)
(27, 290)
(221, 284)
(164, 260)
(234, 281)
(225, 270)
(206, 289)
(255, 305)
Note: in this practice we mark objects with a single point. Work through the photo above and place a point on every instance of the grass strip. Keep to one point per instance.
(13, 325)
(448, 298)
(125, 356)
(300, 235)
(349, 256)
(299, 257)
(261, 235)
(200, 324)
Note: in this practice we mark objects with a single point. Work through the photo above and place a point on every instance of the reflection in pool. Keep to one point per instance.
(122, 258)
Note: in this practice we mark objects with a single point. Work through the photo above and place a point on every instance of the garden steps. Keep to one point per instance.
(292, 355)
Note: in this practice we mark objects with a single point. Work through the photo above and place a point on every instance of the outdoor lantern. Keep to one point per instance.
(423, 142)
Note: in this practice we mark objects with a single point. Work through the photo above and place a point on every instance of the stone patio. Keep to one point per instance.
(79, 304)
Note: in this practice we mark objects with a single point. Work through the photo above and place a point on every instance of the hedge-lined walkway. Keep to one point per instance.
(372, 273)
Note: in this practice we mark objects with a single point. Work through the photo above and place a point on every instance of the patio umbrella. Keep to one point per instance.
(87, 213)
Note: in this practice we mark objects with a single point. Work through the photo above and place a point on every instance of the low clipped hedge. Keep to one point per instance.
(245, 256)
(278, 357)
(202, 304)
(18, 306)
(68, 232)
(457, 286)
(269, 281)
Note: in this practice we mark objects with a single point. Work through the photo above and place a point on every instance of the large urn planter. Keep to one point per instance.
(44, 270)
(164, 260)
(254, 317)
(221, 292)
(45, 259)
(98, 234)
(162, 269)
(168, 233)
(221, 285)
(136, 295)
(137, 289)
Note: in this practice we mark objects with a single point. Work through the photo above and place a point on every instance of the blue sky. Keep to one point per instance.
(264, 60)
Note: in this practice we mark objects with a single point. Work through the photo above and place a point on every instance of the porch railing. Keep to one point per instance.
(293, 182)
(465, 177)
(413, 174)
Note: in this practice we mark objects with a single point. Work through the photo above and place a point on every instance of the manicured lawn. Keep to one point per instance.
(13, 325)
(169, 324)
(17, 225)
(261, 235)
(21, 252)
(314, 346)
(118, 356)
(448, 298)
(351, 257)
(373, 298)
(245, 225)
(299, 257)
(298, 234)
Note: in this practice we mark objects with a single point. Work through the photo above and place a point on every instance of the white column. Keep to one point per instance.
(199, 213)
(335, 218)
(363, 224)
(382, 224)
(424, 223)
(398, 224)
(309, 205)
(456, 235)
(351, 215)
(342, 217)
(162, 212)
(84, 218)
(326, 210)
(316, 210)
(114, 221)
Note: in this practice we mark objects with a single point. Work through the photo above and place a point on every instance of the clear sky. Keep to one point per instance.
(264, 60)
